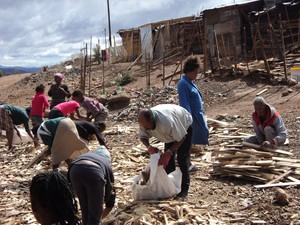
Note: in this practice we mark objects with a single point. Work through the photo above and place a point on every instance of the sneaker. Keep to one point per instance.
(181, 196)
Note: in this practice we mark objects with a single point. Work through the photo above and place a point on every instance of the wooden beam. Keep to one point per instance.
(258, 147)
(277, 185)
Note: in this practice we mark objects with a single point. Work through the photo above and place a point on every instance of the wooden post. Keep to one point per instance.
(283, 48)
(281, 55)
(218, 53)
(103, 80)
(262, 47)
(298, 36)
(163, 70)
(289, 22)
(270, 34)
(226, 60)
(245, 50)
(234, 49)
(81, 72)
(85, 67)
(90, 67)
(205, 46)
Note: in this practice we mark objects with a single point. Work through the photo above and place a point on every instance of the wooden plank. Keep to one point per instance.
(261, 92)
(258, 147)
(277, 185)
(38, 158)
(279, 177)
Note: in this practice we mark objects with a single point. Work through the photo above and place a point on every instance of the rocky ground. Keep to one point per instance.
(213, 198)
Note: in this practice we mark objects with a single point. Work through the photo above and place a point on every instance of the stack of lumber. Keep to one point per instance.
(235, 158)
(265, 166)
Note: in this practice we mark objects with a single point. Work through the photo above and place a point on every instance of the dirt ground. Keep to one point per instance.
(212, 199)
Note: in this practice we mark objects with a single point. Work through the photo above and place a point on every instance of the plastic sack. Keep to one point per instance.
(25, 137)
(160, 184)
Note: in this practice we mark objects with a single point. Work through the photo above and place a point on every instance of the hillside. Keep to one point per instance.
(17, 70)
(213, 198)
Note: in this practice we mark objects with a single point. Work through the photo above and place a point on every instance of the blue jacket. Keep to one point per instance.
(190, 98)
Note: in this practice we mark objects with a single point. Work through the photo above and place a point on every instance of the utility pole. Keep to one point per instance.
(109, 28)
(105, 38)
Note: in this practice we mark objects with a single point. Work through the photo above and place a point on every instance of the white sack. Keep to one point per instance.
(160, 184)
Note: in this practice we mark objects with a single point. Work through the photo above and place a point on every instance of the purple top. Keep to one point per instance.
(92, 106)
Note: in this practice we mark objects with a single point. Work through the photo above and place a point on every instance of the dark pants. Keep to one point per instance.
(183, 155)
(88, 183)
(55, 113)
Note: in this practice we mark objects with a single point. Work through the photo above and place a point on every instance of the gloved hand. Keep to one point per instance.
(165, 158)
(266, 144)
(151, 150)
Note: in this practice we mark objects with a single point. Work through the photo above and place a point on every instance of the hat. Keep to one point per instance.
(102, 150)
(60, 75)
(259, 101)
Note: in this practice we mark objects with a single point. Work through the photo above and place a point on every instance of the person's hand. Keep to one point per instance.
(266, 144)
(165, 158)
(152, 150)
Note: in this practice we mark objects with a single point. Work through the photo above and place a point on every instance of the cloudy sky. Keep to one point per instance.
(46, 32)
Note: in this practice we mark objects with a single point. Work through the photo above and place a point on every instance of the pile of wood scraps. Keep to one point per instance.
(268, 166)
(161, 212)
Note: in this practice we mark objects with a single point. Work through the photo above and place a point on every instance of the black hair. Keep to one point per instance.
(78, 93)
(40, 88)
(53, 192)
(191, 64)
(101, 126)
(149, 115)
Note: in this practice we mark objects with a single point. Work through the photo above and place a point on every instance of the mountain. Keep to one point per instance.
(8, 70)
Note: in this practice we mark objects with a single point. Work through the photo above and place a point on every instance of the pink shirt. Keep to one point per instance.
(67, 107)
(38, 104)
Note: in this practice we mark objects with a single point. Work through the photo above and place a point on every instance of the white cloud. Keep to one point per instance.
(39, 32)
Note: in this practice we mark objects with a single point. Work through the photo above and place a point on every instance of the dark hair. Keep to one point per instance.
(53, 192)
(40, 88)
(191, 64)
(148, 115)
(101, 126)
(77, 93)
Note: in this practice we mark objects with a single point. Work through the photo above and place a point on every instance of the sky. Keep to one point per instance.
(46, 32)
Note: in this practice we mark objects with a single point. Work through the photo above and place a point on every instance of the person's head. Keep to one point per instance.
(101, 126)
(191, 67)
(40, 89)
(146, 119)
(260, 106)
(78, 95)
(52, 199)
(58, 77)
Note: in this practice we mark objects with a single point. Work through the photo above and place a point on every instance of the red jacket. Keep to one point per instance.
(38, 104)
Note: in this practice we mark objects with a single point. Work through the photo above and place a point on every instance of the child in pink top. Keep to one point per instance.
(64, 109)
(38, 105)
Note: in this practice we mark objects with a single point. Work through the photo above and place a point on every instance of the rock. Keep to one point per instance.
(282, 198)
(118, 102)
